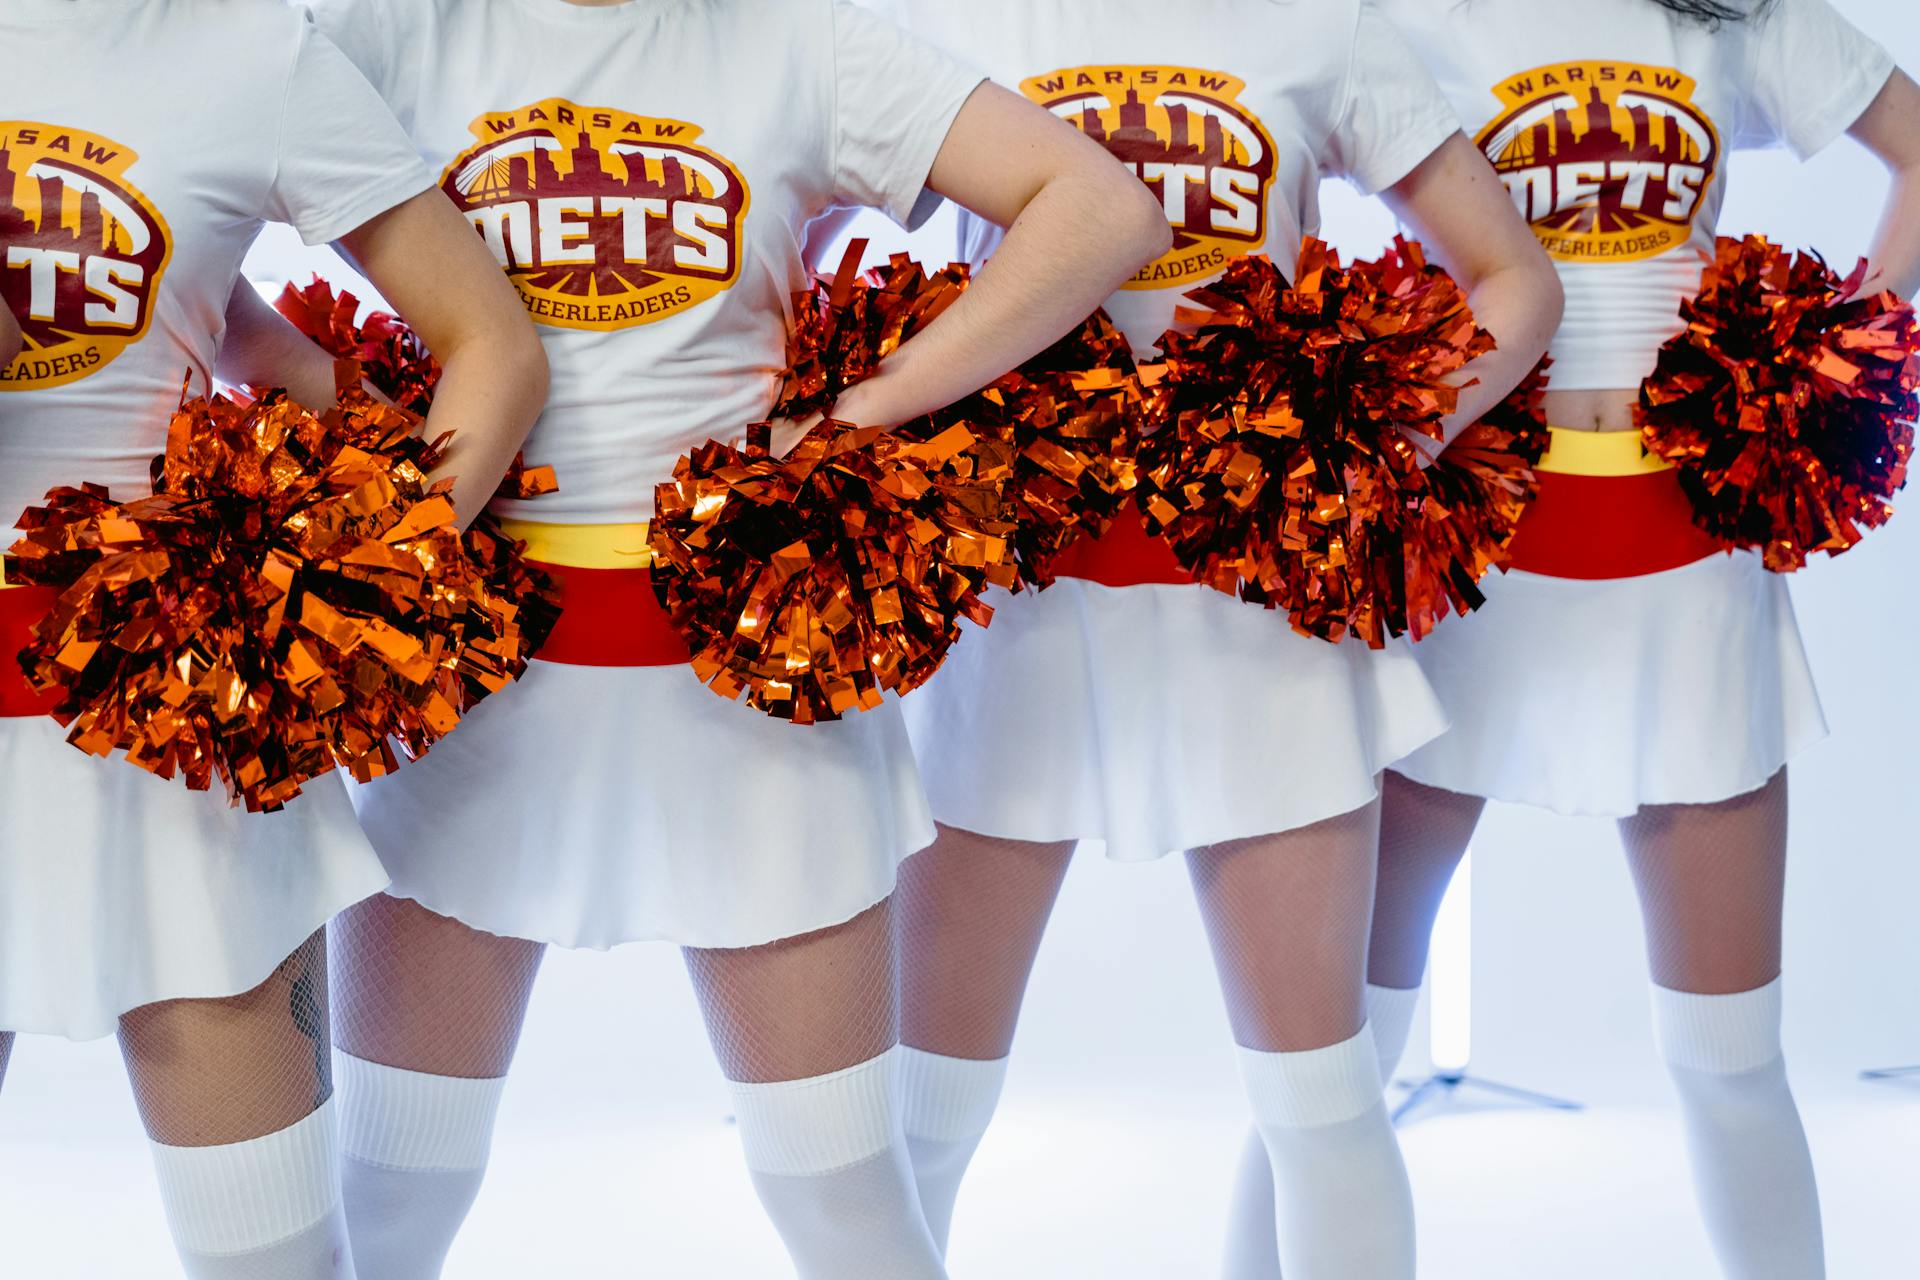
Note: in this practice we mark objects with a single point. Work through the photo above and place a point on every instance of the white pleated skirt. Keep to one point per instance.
(1158, 718)
(591, 806)
(1595, 697)
(118, 889)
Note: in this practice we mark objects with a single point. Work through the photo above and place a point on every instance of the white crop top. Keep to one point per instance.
(1610, 122)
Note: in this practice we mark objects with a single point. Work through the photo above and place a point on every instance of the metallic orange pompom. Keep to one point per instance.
(291, 596)
(1787, 404)
(1072, 417)
(817, 582)
(846, 324)
(1286, 473)
(391, 356)
(1476, 493)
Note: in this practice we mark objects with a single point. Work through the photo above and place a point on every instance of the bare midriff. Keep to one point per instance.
(1591, 410)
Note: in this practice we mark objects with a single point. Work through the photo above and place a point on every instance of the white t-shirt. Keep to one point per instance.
(142, 144)
(645, 173)
(1231, 111)
(1610, 121)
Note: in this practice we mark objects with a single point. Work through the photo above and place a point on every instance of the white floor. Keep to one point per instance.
(1096, 1183)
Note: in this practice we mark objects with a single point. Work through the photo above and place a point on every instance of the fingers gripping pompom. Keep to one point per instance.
(1787, 404)
(390, 354)
(1286, 473)
(815, 583)
(291, 595)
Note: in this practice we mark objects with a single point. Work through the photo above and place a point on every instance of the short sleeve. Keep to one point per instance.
(1813, 74)
(342, 158)
(895, 98)
(1395, 116)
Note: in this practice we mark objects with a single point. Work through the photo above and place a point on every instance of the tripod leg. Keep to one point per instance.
(1527, 1096)
(1891, 1073)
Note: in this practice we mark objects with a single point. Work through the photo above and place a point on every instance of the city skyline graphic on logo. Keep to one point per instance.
(1183, 132)
(1605, 160)
(603, 219)
(81, 252)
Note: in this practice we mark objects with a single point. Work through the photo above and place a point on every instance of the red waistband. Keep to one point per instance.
(611, 618)
(1126, 555)
(20, 609)
(1609, 527)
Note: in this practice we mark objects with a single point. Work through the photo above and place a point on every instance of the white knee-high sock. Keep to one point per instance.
(1751, 1166)
(414, 1150)
(1343, 1208)
(1252, 1249)
(264, 1209)
(829, 1159)
(947, 1104)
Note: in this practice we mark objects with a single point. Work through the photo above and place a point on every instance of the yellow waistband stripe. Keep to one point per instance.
(583, 546)
(1599, 453)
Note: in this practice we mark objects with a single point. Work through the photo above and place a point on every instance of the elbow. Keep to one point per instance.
(1133, 227)
(1147, 235)
(531, 375)
(1552, 295)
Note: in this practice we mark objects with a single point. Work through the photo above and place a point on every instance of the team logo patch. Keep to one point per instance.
(1607, 160)
(81, 252)
(602, 219)
(1181, 131)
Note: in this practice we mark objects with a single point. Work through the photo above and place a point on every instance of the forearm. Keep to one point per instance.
(489, 395)
(261, 348)
(1067, 251)
(1894, 259)
(1520, 306)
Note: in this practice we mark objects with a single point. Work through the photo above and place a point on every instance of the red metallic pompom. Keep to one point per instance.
(290, 596)
(392, 358)
(1787, 404)
(846, 324)
(1476, 493)
(817, 582)
(1286, 474)
(1072, 417)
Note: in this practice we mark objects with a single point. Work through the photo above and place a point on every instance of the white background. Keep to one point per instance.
(1123, 1115)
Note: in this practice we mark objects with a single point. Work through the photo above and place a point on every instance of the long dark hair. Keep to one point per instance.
(1715, 12)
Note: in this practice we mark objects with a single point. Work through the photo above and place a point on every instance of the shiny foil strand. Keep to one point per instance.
(1283, 473)
(292, 597)
(1787, 404)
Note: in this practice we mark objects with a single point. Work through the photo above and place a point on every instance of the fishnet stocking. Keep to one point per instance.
(803, 1006)
(6, 1054)
(972, 910)
(427, 993)
(1712, 885)
(1287, 916)
(214, 1072)
(1424, 833)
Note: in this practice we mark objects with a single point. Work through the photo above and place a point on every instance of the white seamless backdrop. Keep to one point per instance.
(1123, 1113)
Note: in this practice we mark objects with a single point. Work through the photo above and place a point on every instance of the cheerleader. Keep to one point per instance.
(644, 173)
(1629, 667)
(1129, 706)
(142, 145)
